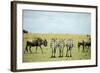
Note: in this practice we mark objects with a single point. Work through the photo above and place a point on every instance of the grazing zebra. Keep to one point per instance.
(69, 45)
(53, 46)
(61, 45)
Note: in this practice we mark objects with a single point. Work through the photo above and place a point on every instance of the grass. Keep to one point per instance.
(46, 56)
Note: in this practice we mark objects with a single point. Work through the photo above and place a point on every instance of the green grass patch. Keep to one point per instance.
(46, 56)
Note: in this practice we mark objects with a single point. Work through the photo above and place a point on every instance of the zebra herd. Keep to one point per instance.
(55, 44)
(60, 44)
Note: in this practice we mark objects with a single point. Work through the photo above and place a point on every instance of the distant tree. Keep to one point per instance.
(88, 35)
(25, 31)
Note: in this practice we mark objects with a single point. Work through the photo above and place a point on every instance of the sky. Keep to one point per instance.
(36, 21)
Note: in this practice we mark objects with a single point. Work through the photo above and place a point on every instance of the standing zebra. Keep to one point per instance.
(69, 45)
(53, 46)
(61, 45)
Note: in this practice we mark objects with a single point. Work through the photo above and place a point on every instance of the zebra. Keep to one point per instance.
(61, 45)
(53, 46)
(57, 44)
(69, 46)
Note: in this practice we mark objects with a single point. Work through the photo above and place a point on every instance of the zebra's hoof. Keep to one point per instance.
(60, 56)
(67, 56)
(71, 56)
(53, 57)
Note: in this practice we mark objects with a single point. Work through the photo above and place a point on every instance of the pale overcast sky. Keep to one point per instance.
(56, 22)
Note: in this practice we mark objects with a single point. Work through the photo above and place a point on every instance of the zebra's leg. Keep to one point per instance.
(59, 52)
(41, 49)
(70, 52)
(30, 49)
(54, 52)
(62, 52)
(67, 52)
